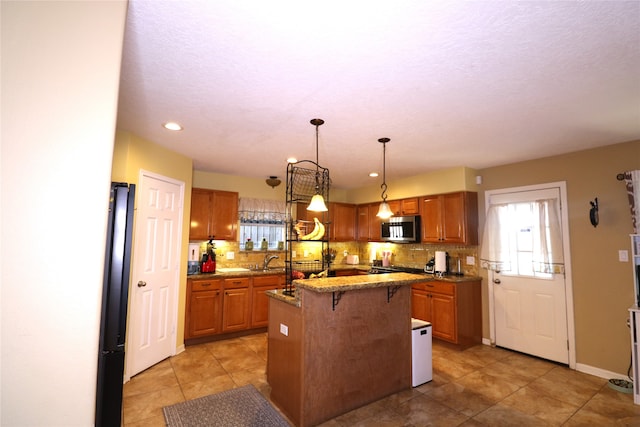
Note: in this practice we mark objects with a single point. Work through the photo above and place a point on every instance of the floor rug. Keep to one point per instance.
(238, 407)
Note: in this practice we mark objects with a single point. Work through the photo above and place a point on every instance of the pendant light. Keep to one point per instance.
(317, 201)
(384, 211)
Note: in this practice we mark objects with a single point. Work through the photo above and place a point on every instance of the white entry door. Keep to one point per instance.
(530, 308)
(151, 335)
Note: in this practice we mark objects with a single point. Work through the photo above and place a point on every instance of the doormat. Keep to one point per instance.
(238, 407)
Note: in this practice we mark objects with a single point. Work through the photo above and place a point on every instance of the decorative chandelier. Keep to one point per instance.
(384, 211)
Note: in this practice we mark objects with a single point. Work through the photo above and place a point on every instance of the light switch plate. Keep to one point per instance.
(471, 260)
(293, 254)
(623, 256)
(231, 255)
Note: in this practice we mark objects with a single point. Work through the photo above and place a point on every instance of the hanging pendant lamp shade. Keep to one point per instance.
(384, 211)
(317, 204)
(317, 201)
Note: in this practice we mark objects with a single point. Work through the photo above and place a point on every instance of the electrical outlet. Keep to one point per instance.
(231, 255)
(293, 254)
(284, 330)
(306, 253)
(471, 260)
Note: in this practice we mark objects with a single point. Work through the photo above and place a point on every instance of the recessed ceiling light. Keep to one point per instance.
(172, 126)
(373, 174)
(292, 160)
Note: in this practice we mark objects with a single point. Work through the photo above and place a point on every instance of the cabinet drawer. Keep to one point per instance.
(238, 282)
(205, 285)
(268, 280)
(441, 287)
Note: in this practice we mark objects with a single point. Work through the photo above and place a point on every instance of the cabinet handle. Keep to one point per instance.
(205, 284)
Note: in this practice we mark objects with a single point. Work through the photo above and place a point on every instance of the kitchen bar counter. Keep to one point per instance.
(339, 343)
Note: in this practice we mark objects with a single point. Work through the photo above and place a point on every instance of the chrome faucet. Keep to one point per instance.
(268, 259)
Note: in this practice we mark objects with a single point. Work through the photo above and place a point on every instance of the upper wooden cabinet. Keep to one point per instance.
(214, 215)
(362, 223)
(367, 223)
(450, 218)
(343, 222)
(409, 206)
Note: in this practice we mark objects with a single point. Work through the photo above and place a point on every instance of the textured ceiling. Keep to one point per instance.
(452, 83)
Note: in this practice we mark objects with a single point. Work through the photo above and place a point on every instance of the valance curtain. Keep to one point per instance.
(498, 245)
(261, 211)
(632, 181)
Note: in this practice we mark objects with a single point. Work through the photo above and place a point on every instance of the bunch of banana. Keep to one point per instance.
(317, 233)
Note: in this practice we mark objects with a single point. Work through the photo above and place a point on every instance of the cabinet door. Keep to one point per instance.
(200, 214)
(363, 223)
(224, 215)
(395, 206)
(260, 300)
(374, 223)
(420, 305)
(235, 309)
(444, 317)
(431, 219)
(453, 220)
(204, 308)
(410, 206)
(343, 222)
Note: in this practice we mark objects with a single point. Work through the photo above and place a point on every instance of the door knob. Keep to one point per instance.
(496, 281)
(142, 284)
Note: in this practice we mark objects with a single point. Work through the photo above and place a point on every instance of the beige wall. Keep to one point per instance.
(131, 154)
(60, 76)
(602, 286)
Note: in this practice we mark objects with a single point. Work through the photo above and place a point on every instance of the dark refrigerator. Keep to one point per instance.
(115, 293)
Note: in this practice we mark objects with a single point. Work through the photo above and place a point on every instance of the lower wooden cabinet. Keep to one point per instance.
(204, 308)
(260, 300)
(453, 308)
(219, 306)
(236, 304)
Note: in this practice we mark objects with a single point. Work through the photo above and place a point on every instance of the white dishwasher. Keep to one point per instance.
(421, 363)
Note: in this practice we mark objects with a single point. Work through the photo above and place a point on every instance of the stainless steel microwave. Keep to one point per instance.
(401, 229)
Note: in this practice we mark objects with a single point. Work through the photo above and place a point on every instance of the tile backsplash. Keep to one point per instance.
(408, 255)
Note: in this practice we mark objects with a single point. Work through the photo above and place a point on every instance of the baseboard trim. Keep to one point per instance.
(602, 373)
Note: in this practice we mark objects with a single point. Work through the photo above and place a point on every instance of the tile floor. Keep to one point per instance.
(481, 386)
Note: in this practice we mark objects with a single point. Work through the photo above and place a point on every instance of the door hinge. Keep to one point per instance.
(567, 345)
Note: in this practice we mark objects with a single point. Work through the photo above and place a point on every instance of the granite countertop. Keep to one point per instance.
(363, 281)
(345, 283)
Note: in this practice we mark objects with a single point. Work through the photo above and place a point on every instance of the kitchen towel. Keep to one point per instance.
(441, 261)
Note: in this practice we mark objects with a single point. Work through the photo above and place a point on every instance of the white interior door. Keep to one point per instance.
(156, 267)
(530, 310)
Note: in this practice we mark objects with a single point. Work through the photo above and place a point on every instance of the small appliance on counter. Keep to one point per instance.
(455, 266)
(193, 265)
(353, 259)
(209, 259)
(430, 267)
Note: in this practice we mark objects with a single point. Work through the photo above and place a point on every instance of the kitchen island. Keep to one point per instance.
(339, 343)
